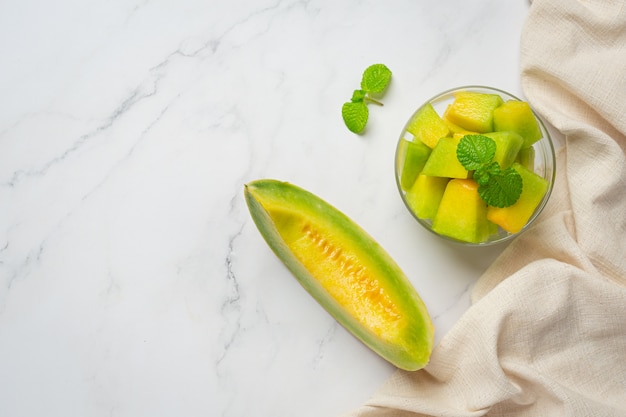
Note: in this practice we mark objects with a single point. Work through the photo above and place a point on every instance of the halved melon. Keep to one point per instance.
(345, 270)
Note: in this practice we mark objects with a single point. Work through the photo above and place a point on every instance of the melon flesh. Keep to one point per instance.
(518, 117)
(514, 218)
(443, 161)
(413, 155)
(526, 158)
(508, 145)
(462, 214)
(473, 111)
(345, 270)
(427, 126)
(425, 195)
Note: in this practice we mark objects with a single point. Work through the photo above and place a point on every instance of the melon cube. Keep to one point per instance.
(443, 161)
(513, 218)
(526, 157)
(454, 129)
(425, 195)
(473, 111)
(518, 117)
(462, 214)
(412, 156)
(508, 145)
(426, 125)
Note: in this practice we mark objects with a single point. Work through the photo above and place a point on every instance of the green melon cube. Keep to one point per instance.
(518, 117)
(443, 161)
(425, 195)
(492, 227)
(412, 157)
(526, 158)
(473, 111)
(426, 125)
(508, 145)
(462, 214)
(514, 218)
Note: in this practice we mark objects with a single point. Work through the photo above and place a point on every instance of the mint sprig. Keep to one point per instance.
(374, 82)
(497, 187)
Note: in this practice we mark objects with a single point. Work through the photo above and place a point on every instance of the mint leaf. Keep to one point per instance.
(375, 78)
(358, 96)
(497, 187)
(474, 151)
(485, 172)
(355, 116)
(503, 189)
(374, 81)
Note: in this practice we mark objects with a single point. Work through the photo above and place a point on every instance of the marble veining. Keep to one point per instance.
(132, 279)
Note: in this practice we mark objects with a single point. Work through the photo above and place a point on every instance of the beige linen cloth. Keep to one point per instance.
(546, 333)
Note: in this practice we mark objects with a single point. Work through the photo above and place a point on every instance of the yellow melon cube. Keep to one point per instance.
(514, 218)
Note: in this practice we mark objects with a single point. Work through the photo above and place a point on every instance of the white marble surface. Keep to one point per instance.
(132, 279)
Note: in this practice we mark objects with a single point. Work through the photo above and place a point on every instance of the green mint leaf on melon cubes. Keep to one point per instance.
(483, 174)
(355, 116)
(503, 189)
(497, 187)
(474, 151)
(376, 78)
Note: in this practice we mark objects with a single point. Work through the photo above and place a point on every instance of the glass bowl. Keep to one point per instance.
(544, 163)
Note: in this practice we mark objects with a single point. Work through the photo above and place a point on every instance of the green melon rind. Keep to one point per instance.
(412, 350)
